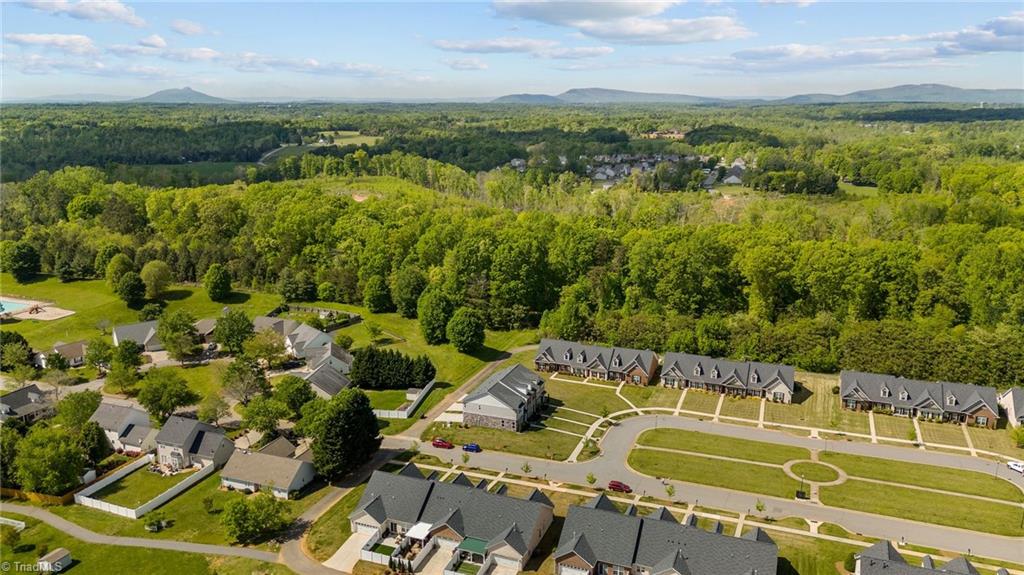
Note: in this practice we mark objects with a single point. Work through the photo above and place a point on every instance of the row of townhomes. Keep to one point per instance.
(680, 370)
(938, 401)
(421, 518)
(598, 539)
(883, 559)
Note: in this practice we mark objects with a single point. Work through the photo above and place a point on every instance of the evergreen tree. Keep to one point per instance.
(348, 436)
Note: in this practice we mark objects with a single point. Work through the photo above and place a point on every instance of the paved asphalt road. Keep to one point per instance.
(611, 464)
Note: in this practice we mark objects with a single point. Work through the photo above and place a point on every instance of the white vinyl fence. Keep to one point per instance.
(17, 525)
(83, 496)
(408, 409)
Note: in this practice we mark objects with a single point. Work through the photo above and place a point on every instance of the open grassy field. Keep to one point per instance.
(330, 531)
(930, 476)
(588, 398)
(721, 445)
(814, 405)
(743, 407)
(543, 443)
(350, 138)
(188, 516)
(93, 302)
(651, 396)
(139, 487)
(945, 433)
(926, 506)
(94, 559)
(806, 555)
(714, 472)
(701, 401)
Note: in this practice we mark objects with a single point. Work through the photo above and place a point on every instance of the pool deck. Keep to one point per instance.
(48, 313)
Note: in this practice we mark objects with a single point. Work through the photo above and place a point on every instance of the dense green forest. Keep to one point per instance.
(919, 274)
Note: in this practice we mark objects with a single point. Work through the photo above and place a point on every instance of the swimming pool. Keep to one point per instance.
(12, 306)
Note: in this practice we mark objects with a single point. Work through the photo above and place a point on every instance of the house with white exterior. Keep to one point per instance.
(1012, 400)
(508, 399)
(330, 354)
(142, 333)
(184, 442)
(127, 428)
(297, 337)
(28, 403)
(73, 352)
(258, 471)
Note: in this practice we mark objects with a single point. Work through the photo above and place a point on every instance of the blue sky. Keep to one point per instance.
(482, 49)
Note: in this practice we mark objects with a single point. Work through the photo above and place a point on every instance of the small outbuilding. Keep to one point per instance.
(55, 561)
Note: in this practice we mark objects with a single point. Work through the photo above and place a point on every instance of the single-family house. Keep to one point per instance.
(256, 471)
(741, 378)
(329, 354)
(608, 363)
(142, 333)
(598, 539)
(298, 337)
(184, 442)
(709, 180)
(204, 329)
(127, 428)
(939, 401)
(508, 399)
(734, 175)
(1012, 400)
(883, 559)
(73, 352)
(325, 380)
(280, 447)
(465, 523)
(28, 403)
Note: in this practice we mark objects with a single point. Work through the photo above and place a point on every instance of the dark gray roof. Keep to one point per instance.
(278, 325)
(539, 497)
(511, 386)
(24, 401)
(263, 469)
(401, 497)
(136, 435)
(112, 417)
(205, 326)
(662, 546)
(178, 430)
(510, 536)
(883, 559)
(601, 501)
(317, 355)
(663, 514)
(461, 479)
(410, 470)
(911, 393)
(142, 333)
(739, 374)
(327, 379)
(280, 447)
(596, 358)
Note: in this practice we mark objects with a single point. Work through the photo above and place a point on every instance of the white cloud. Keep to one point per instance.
(68, 43)
(639, 22)
(153, 41)
(255, 62)
(36, 64)
(94, 10)
(465, 64)
(193, 55)
(798, 3)
(188, 27)
(535, 47)
(1000, 34)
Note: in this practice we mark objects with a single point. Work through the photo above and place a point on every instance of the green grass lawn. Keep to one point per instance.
(702, 401)
(930, 476)
(93, 302)
(593, 400)
(714, 472)
(573, 427)
(651, 396)
(814, 405)
(573, 415)
(386, 399)
(815, 472)
(721, 445)
(945, 433)
(926, 506)
(330, 531)
(94, 559)
(805, 555)
(743, 407)
(139, 487)
(891, 426)
(350, 138)
(996, 440)
(542, 443)
(189, 519)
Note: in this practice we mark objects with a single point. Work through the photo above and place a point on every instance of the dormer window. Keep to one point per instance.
(904, 395)
(753, 377)
(579, 358)
(617, 362)
(886, 392)
(950, 400)
(697, 370)
(568, 356)
(714, 373)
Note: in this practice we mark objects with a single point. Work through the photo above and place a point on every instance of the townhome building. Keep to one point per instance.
(740, 378)
(142, 333)
(936, 401)
(883, 559)
(634, 366)
(508, 399)
(598, 539)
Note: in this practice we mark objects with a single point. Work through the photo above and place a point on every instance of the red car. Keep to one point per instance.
(619, 486)
(438, 442)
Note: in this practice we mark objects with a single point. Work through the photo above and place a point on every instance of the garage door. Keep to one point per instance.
(506, 562)
(366, 528)
(566, 570)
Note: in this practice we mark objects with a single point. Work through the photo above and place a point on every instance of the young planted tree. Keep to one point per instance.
(212, 408)
(122, 377)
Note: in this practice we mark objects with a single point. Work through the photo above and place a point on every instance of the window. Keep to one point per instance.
(904, 395)
(950, 400)
(886, 392)
(697, 370)
(568, 356)
(617, 362)
(981, 420)
(636, 379)
(614, 570)
(714, 373)
(778, 396)
(753, 377)
(579, 358)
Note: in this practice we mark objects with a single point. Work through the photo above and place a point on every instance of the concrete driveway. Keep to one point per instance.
(436, 562)
(345, 558)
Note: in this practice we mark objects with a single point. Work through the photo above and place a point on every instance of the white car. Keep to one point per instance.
(1017, 466)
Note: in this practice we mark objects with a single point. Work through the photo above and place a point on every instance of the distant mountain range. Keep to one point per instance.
(928, 93)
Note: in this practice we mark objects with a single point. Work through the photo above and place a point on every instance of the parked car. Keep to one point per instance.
(619, 486)
(472, 448)
(1017, 466)
(442, 443)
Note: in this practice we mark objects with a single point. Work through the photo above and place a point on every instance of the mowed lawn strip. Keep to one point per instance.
(582, 397)
(542, 443)
(714, 472)
(925, 506)
(944, 433)
(930, 476)
(815, 472)
(721, 445)
(742, 407)
(701, 401)
(139, 487)
(330, 531)
(651, 395)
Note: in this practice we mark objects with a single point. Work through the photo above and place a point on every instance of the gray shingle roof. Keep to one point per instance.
(280, 447)
(594, 357)
(205, 326)
(278, 325)
(327, 379)
(112, 417)
(708, 370)
(178, 430)
(916, 394)
(317, 355)
(142, 333)
(263, 469)
(137, 435)
(1015, 397)
(24, 401)
(511, 386)
(883, 559)
(71, 350)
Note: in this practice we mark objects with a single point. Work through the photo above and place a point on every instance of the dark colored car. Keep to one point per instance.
(472, 448)
(443, 444)
(619, 486)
